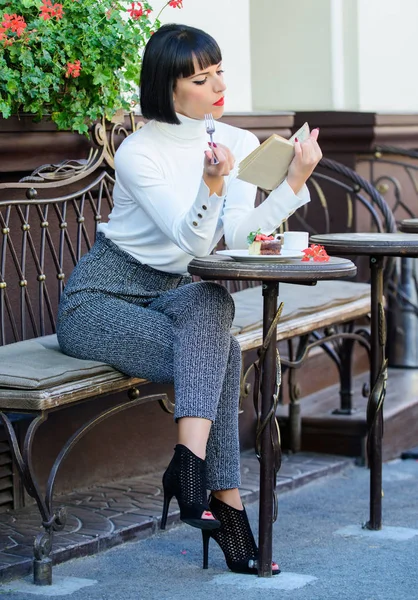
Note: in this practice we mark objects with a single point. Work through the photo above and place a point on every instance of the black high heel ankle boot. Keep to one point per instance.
(235, 539)
(185, 478)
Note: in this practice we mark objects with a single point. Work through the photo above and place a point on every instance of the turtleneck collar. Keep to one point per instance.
(189, 129)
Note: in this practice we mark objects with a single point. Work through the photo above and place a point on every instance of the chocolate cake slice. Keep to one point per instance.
(265, 245)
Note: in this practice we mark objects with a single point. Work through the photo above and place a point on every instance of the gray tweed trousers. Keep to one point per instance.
(160, 326)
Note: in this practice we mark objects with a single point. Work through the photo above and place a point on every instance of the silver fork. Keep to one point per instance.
(210, 130)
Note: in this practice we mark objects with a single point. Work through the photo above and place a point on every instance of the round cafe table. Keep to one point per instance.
(409, 226)
(376, 246)
(270, 274)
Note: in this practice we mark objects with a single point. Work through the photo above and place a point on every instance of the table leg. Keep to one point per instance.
(267, 476)
(378, 374)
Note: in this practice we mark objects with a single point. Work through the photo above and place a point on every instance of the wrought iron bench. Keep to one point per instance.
(394, 173)
(44, 234)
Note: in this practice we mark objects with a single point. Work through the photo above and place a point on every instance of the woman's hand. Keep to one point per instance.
(307, 156)
(213, 174)
(226, 161)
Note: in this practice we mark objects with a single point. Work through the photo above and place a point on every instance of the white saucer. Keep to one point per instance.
(244, 256)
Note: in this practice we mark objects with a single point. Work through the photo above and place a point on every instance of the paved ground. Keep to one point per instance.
(318, 541)
(106, 515)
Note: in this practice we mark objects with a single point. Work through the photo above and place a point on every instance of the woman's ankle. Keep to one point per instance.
(230, 497)
(193, 432)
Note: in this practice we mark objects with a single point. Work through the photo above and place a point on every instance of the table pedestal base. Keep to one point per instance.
(378, 377)
(269, 439)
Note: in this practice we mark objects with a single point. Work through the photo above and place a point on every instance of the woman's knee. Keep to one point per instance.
(216, 297)
(205, 302)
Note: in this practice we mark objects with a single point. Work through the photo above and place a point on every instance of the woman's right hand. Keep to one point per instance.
(226, 161)
(213, 175)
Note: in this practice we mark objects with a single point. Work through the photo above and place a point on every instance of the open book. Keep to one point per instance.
(267, 165)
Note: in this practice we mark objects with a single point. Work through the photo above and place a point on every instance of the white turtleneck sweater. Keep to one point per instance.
(163, 214)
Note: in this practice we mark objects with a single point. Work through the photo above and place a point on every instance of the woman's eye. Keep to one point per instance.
(200, 82)
(220, 72)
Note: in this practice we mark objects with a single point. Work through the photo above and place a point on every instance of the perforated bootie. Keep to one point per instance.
(185, 478)
(235, 539)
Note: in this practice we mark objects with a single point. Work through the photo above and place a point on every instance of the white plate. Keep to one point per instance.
(244, 256)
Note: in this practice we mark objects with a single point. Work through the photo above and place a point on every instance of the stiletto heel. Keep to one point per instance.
(185, 478)
(206, 538)
(167, 500)
(235, 539)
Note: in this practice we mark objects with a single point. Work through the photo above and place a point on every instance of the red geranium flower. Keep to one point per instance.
(315, 252)
(14, 23)
(73, 69)
(48, 10)
(57, 11)
(136, 13)
(176, 3)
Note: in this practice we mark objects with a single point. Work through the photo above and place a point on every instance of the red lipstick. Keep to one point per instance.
(220, 102)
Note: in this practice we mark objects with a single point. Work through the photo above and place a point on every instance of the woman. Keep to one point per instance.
(131, 303)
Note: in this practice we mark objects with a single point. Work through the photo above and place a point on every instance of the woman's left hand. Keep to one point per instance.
(307, 156)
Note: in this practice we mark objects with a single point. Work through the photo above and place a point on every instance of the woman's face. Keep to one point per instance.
(200, 93)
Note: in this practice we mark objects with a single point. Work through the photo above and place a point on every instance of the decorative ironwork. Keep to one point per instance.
(378, 392)
(375, 404)
(42, 546)
(337, 342)
(394, 171)
(39, 239)
(355, 204)
(106, 139)
(68, 169)
(54, 520)
(269, 419)
(390, 169)
(365, 209)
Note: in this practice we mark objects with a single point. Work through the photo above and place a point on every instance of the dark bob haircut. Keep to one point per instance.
(168, 56)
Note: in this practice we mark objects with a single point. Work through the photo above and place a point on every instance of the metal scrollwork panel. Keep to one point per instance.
(107, 139)
(41, 240)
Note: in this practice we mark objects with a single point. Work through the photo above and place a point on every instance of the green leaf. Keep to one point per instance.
(251, 236)
(12, 86)
(101, 77)
(5, 109)
(29, 3)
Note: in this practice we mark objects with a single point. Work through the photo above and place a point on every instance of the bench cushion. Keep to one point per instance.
(299, 301)
(36, 375)
(39, 363)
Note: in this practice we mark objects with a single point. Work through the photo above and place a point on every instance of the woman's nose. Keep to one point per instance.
(219, 86)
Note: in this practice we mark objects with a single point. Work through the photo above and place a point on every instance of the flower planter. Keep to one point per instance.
(25, 145)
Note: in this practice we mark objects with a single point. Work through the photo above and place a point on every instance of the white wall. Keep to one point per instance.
(312, 54)
(335, 55)
(228, 22)
(351, 55)
(388, 55)
(291, 54)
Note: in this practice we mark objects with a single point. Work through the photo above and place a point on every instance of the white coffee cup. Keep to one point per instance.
(295, 240)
